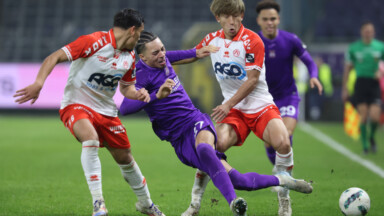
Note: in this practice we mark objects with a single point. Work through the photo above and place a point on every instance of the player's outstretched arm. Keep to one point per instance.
(200, 53)
(32, 91)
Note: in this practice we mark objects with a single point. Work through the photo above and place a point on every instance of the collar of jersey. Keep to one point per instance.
(112, 37)
(237, 37)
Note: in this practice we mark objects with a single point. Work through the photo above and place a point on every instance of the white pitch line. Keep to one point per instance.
(341, 149)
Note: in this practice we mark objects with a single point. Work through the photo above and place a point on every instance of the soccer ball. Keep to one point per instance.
(354, 201)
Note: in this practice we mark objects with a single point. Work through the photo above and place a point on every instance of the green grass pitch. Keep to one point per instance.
(41, 174)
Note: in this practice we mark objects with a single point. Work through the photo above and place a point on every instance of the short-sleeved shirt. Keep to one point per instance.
(365, 57)
(96, 69)
(279, 54)
(231, 63)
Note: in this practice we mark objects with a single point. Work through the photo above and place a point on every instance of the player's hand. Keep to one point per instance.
(30, 92)
(220, 112)
(165, 89)
(315, 82)
(206, 51)
(142, 95)
(344, 94)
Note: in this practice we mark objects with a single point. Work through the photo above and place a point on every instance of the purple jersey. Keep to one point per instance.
(279, 53)
(170, 114)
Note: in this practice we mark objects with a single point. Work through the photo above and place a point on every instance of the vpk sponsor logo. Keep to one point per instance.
(231, 70)
(103, 81)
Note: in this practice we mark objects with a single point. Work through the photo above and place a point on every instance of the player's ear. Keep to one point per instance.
(142, 56)
(217, 18)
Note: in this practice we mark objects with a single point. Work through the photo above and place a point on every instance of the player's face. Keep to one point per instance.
(230, 23)
(367, 33)
(135, 35)
(268, 20)
(154, 54)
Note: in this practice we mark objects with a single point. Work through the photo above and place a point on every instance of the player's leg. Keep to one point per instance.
(87, 135)
(79, 120)
(205, 150)
(362, 109)
(198, 189)
(289, 112)
(113, 132)
(374, 116)
(254, 181)
(374, 110)
(277, 136)
(226, 136)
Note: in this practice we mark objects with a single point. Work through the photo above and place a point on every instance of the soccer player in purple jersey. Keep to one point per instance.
(192, 134)
(280, 49)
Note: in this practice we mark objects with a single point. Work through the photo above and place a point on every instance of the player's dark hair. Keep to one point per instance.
(145, 37)
(127, 18)
(267, 4)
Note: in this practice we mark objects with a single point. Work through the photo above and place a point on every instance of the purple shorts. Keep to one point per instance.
(185, 146)
(288, 106)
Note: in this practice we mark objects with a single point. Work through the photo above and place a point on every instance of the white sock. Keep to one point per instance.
(136, 180)
(198, 189)
(284, 162)
(92, 168)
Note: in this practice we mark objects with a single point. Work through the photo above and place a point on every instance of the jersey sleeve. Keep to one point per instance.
(129, 77)
(178, 55)
(254, 57)
(85, 46)
(298, 46)
(207, 39)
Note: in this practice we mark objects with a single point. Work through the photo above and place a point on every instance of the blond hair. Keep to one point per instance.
(228, 7)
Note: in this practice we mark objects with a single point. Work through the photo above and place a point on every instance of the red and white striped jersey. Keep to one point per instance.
(96, 69)
(245, 52)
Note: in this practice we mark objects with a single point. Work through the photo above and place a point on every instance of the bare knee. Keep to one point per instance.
(282, 144)
(121, 156)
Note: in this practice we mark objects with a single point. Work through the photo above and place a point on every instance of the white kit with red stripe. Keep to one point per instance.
(245, 52)
(97, 68)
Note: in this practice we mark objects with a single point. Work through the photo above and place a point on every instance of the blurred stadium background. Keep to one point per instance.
(31, 30)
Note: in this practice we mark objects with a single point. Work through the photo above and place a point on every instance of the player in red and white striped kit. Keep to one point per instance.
(100, 61)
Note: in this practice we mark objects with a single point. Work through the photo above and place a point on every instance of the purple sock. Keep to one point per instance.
(252, 181)
(271, 154)
(216, 171)
(290, 138)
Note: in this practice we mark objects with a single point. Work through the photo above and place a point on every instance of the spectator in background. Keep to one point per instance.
(364, 56)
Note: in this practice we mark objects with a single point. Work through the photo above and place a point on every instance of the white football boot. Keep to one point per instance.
(99, 208)
(192, 210)
(153, 210)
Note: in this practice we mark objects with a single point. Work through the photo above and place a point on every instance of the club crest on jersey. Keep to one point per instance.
(126, 65)
(231, 70)
(272, 54)
(249, 58)
(236, 53)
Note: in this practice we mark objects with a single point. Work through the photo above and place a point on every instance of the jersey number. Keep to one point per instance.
(288, 110)
(198, 126)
